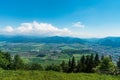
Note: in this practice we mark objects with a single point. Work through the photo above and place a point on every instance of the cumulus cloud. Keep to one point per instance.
(8, 29)
(78, 24)
(43, 29)
(35, 28)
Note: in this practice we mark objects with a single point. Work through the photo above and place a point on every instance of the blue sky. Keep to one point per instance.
(77, 18)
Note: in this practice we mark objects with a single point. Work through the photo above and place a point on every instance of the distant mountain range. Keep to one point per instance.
(53, 39)
(108, 41)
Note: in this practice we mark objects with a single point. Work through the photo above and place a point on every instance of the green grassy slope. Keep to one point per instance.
(49, 75)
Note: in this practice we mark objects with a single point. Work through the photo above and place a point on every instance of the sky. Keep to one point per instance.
(76, 18)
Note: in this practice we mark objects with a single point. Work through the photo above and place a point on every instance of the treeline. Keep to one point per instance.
(87, 63)
(7, 62)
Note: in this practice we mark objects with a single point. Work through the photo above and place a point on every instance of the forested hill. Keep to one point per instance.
(54, 39)
(109, 41)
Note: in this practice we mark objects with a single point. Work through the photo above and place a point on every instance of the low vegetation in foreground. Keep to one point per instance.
(50, 75)
(92, 67)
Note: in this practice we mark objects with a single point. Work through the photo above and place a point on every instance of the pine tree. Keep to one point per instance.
(69, 66)
(83, 65)
(102, 57)
(118, 63)
(96, 60)
(89, 63)
(73, 64)
(82, 60)
(78, 66)
(64, 66)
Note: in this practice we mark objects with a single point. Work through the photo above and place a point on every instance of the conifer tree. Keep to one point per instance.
(78, 66)
(96, 60)
(64, 66)
(69, 66)
(83, 65)
(73, 64)
(118, 63)
(102, 57)
(89, 63)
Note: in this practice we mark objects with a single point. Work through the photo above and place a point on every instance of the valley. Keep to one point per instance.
(50, 51)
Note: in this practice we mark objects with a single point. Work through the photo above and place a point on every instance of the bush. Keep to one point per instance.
(53, 67)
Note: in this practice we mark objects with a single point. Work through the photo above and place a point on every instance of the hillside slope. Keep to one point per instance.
(49, 75)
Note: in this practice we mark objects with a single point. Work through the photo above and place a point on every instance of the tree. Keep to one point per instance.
(9, 60)
(106, 65)
(78, 66)
(118, 63)
(64, 66)
(96, 60)
(69, 66)
(81, 64)
(36, 66)
(17, 63)
(73, 64)
(102, 57)
(89, 63)
(5, 60)
(53, 67)
(82, 60)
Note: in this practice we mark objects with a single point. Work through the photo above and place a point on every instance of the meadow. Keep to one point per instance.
(50, 75)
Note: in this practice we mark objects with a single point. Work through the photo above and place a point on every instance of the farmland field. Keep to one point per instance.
(43, 53)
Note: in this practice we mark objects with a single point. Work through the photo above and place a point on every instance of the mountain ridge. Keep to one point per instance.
(107, 41)
(39, 39)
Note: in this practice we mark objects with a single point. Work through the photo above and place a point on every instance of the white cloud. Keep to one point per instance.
(35, 28)
(25, 28)
(78, 24)
(8, 29)
(43, 29)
